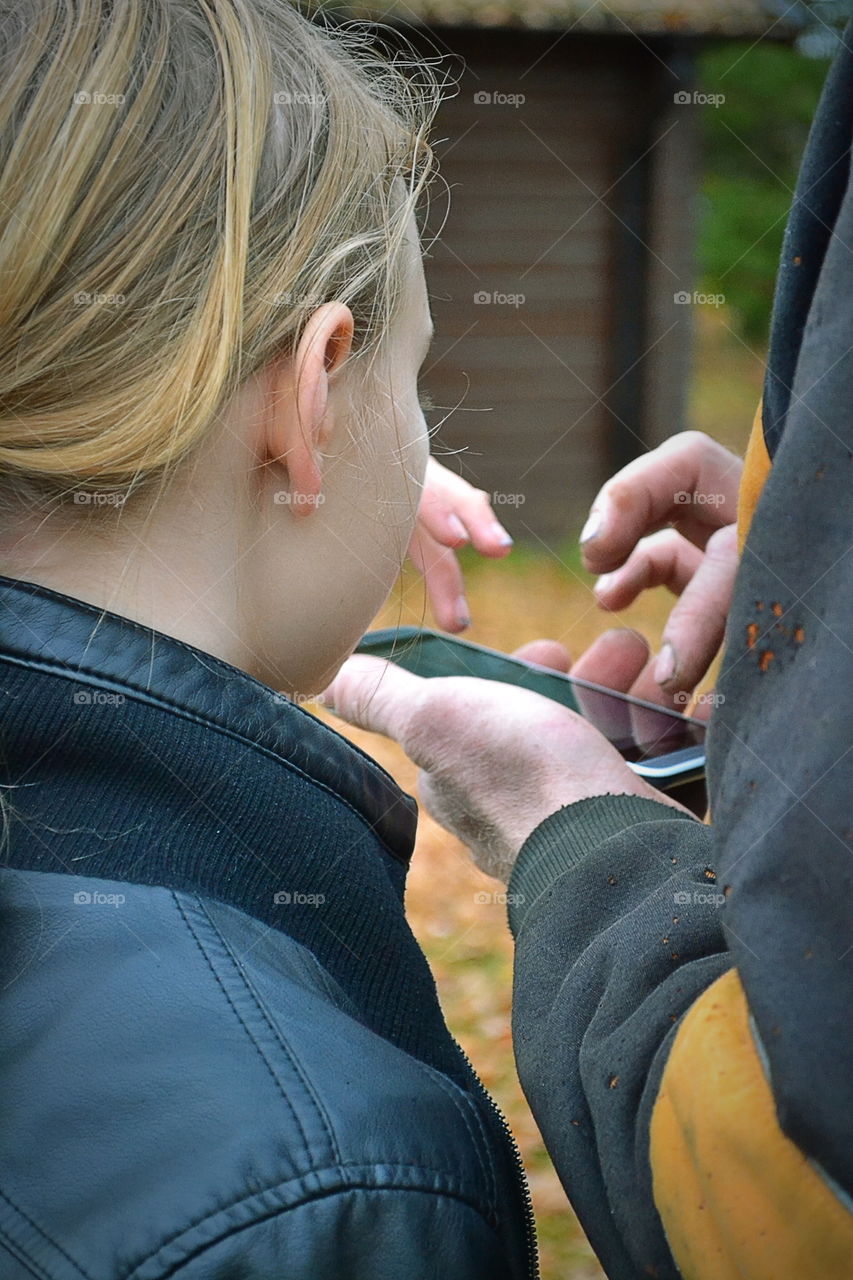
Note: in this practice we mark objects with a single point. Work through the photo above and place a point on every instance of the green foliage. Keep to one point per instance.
(752, 145)
(564, 556)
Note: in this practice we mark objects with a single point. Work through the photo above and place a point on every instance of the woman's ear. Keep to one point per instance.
(298, 425)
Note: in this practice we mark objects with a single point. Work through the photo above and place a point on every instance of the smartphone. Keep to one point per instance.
(663, 746)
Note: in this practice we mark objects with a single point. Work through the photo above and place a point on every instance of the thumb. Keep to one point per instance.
(374, 694)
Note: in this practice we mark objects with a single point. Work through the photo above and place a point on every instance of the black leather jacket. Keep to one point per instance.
(222, 1052)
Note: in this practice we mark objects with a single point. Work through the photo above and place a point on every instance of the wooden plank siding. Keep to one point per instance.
(536, 194)
(673, 218)
(730, 18)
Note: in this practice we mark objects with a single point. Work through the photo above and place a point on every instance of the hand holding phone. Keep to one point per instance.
(496, 759)
(657, 743)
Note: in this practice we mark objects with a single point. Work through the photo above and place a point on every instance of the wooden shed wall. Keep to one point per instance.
(536, 210)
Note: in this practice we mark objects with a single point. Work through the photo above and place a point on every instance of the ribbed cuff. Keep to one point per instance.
(567, 836)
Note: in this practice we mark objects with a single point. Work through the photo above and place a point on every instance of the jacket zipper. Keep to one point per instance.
(529, 1219)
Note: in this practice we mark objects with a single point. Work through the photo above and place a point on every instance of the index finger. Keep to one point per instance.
(689, 480)
(442, 576)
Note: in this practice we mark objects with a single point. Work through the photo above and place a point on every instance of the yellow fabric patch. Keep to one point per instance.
(738, 1200)
(756, 469)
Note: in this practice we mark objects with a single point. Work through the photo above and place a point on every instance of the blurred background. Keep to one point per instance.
(601, 256)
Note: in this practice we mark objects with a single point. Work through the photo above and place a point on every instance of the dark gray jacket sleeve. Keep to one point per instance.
(615, 908)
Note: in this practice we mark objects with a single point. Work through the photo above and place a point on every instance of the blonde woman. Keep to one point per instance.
(222, 1054)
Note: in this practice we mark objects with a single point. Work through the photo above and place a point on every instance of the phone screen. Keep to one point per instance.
(640, 731)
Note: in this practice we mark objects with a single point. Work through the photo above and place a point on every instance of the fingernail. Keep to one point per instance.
(500, 533)
(463, 613)
(457, 527)
(592, 527)
(603, 583)
(665, 665)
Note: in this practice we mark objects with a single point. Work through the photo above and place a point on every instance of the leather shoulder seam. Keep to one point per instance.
(320, 1110)
(217, 977)
(339, 1182)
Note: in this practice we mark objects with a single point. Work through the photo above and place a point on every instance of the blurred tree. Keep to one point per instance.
(753, 142)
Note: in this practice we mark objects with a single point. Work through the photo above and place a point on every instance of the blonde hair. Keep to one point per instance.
(181, 183)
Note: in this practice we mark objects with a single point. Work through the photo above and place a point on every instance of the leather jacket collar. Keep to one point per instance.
(98, 650)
